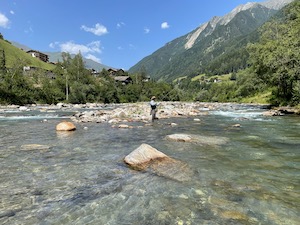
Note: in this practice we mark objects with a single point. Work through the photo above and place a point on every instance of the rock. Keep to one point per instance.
(23, 108)
(272, 113)
(234, 215)
(124, 126)
(60, 105)
(206, 140)
(31, 147)
(236, 125)
(143, 155)
(65, 126)
(179, 137)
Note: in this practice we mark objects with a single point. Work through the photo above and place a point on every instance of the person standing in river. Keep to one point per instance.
(153, 106)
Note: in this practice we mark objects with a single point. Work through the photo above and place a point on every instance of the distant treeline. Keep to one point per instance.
(268, 70)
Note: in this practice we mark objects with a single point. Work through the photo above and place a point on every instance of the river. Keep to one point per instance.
(79, 177)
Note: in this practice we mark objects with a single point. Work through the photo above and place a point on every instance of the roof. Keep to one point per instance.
(122, 78)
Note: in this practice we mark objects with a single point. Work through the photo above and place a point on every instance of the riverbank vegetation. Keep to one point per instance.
(272, 76)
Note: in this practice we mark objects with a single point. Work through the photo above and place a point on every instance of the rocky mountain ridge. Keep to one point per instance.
(192, 52)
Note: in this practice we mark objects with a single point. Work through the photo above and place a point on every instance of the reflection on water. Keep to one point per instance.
(50, 177)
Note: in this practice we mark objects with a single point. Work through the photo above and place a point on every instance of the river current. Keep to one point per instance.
(49, 177)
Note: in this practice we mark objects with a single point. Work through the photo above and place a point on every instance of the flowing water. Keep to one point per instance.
(49, 177)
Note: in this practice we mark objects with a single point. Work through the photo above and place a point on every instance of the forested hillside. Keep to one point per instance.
(208, 48)
(274, 63)
(262, 67)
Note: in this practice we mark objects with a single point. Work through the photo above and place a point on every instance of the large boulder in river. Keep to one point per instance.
(147, 158)
(141, 156)
(65, 126)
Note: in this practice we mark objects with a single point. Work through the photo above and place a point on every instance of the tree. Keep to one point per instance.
(276, 58)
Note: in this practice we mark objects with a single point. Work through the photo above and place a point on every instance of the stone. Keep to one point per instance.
(23, 108)
(179, 137)
(31, 147)
(143, 155)
(204, 140)
(65, 126)
(272, 113)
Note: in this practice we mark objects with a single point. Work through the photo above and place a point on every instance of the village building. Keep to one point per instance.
(39, 55)
(115, 72)
(123, 79)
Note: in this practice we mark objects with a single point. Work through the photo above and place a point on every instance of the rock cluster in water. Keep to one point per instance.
(141, 112)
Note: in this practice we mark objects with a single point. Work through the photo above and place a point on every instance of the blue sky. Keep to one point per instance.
(117, 33)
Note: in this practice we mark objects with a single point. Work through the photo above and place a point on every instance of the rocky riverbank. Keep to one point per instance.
(140, 112)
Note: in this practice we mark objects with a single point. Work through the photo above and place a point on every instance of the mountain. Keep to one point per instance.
(56, 56)
(208, 48)
(89, 64)
(14, 55)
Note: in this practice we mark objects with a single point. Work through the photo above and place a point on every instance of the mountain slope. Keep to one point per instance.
(197, 51)
(14, 56)
(56, 56)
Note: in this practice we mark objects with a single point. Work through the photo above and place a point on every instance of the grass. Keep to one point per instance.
(14, 56)
(261, 98)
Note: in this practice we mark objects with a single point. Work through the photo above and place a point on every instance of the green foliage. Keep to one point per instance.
(14, 54)
(276, 58)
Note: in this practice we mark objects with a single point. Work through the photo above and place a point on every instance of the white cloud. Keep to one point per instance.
(73, 48)
(92, 57)
(165, 25)
(53, 44)
(4, 21)
(87, 51)
(146, 30)
(98, 30)
(121, 24)
(12, 12)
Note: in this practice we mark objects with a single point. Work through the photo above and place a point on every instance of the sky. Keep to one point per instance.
(116, 33)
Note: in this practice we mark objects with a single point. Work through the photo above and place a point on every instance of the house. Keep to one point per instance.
(39, 55)
(115, 72)
(123, 79)
(31, 70)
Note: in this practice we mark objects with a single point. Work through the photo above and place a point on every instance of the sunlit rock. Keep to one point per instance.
(65, 126)
(24, 108)
(123, 126)
(272, 113)
(205, 140)
(31, 147)
(180, 137)
(145, 157)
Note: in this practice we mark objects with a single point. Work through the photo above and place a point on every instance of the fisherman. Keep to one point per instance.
(153, 105)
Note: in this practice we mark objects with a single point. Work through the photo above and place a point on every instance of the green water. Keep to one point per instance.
(80, 178)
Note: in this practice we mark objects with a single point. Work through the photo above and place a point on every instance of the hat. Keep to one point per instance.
(153, 97)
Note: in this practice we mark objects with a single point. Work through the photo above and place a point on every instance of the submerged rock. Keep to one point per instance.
(145, 157)
(31, 147)
(65, 126)
(206, 140)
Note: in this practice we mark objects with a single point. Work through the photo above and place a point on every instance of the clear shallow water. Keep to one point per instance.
(80, 177)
